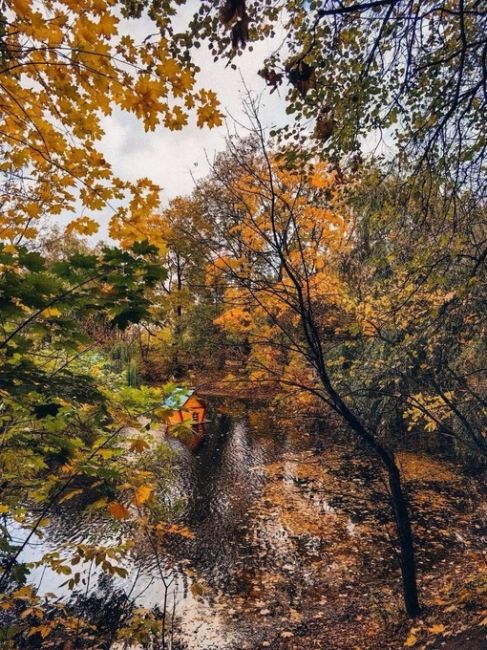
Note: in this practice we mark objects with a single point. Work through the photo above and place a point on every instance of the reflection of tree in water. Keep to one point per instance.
(92, 617)
(86, 620)
(220, 482)
(226, 477)
(106, 608)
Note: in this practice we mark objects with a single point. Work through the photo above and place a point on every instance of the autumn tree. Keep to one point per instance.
(64, 410)
(189, 304)
(418, 281)
(407, 73)
(45, 307)
(65, 67)
(284, 232)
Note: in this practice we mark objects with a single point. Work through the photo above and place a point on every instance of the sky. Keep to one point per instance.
(174, 159)
(171, 158)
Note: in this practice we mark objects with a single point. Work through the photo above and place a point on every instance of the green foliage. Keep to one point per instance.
(420, 270)
(133, 378)
(48, 309)
(187, 340)
(392, 71)
(63, 406)
(141, 400)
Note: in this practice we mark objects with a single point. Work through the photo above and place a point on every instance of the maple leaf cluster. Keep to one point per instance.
(66, 66)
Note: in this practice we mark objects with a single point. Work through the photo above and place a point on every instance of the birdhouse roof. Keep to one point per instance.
(178, 398)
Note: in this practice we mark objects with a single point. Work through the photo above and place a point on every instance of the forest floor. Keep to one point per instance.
(331, 580)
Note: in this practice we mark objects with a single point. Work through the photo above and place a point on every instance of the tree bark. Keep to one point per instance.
(402, 520)
(405, 540)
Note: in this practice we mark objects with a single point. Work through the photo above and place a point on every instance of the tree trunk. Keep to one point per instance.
(405, 539)
(402, 521)
(398, 499)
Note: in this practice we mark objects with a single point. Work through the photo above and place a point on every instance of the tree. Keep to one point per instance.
(64, 66)
(284, 232)
(45, 329)
(418, 280)
(61, 421)
(186, 338)
(406, 71)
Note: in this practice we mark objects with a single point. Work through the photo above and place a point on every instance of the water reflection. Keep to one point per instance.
(219, 481)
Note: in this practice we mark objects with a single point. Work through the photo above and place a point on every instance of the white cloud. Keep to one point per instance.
(169, 158)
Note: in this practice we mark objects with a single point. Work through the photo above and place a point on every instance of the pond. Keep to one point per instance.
(217, 484)
(290, 541)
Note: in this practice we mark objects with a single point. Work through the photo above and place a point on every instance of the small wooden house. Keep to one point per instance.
(184, 406)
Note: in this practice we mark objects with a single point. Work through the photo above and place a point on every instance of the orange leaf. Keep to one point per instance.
(142, 493)
(117, 510)
(138, 445)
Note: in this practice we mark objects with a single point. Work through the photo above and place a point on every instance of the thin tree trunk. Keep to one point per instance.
(405, 539)
(402, 519)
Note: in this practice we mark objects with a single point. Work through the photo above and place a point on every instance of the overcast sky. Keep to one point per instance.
(172, 158)
(169, 158)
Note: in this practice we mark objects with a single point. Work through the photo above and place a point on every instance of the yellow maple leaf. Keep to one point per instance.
(117, 510)
(210, 116)
(208, 113)
(21, 7)
(410, 641)
(83, 225)
(142, 494)
(107, 25)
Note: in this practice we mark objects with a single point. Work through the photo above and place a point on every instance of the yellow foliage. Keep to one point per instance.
(285, 250)
(83, 225)
(436, 629)
(138, 445)
(208, 113)
(139, 221)
(235, 320)
(428, 410)
(66, 64)
(321, 177)
(51, 312)
(411, 641)
(142, 494)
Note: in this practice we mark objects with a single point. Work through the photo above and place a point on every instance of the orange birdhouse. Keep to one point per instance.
(184, 407)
